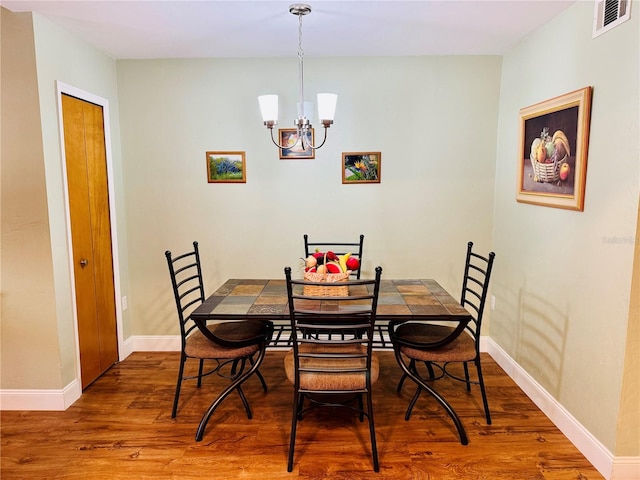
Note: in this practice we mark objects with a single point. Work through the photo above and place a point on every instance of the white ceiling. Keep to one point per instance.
(199, 29)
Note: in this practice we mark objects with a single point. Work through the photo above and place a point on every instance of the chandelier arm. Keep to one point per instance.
(306, 144)
(276, 143)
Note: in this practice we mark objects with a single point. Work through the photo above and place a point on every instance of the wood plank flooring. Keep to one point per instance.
(121, 428)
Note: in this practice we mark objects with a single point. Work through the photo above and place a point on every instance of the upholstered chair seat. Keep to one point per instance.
(323, 379)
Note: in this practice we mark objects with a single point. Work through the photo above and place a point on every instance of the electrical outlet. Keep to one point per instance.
(124, 303)
(493, 302)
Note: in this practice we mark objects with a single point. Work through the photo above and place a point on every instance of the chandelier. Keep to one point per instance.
(326, 101)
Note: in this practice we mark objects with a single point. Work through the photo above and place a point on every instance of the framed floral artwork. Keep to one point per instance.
(226, 167)
(361, 167)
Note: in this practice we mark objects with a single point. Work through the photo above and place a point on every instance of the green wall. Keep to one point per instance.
(448, 131)
(432, 118)
(563, 278)
(30, 355)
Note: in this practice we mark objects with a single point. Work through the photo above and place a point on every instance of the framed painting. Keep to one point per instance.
(552, 156)
(226, 167)
(293, 150)
(361, 167)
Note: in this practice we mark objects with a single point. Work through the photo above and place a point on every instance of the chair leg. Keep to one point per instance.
(297, 405)
(382, 341)
(466, 375)
(361, 407)
(225, 393)
(174, 411)
(241, 394)
(245, 402)
(200, 368)
(483, 391)
(372, 433)
(432, 373)
(412, 366)
(450, 411)
(412, 403)
(259, 375)
(401, 382)
(301, 406)
(262, 381)
(234, 366)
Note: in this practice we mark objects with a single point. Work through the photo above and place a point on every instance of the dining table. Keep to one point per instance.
(266, 299)
(398, 301)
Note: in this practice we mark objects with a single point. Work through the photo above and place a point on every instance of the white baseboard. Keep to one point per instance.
(625, 468)
(52, 399)
(155, 343)
(612, 468)
(61, 399)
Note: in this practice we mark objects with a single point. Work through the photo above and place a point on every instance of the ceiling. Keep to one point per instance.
(203, 29)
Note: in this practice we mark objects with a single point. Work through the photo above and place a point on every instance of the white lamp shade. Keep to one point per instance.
(269, 107)
(308, 110)
(327, 106)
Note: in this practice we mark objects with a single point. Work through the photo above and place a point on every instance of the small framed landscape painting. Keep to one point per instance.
(552, 156)
(361, 167)
(294, 150)
(226, 167)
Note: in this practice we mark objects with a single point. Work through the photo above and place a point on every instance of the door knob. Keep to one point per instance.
(84, 262)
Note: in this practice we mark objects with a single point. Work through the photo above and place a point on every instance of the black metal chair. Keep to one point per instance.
(237, 347)
(431, 345)
(339, 248)
(332, 362)
(282, 335)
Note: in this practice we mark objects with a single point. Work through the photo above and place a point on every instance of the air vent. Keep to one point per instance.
(609, 14)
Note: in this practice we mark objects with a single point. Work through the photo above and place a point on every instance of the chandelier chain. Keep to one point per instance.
(301, 65)
(300, 51)
(269, 103)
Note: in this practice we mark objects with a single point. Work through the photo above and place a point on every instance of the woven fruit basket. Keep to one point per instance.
(548, 155)
(327, 290)
(547, 172)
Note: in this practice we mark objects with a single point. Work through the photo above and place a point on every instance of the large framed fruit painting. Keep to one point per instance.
(554, 140)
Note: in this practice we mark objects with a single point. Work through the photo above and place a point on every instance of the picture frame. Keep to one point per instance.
(288, 136)
(361, 167)
(552, 156)
(226, 167)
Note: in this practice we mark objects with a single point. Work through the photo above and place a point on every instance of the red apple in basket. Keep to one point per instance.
(353, 263)
(564, 171)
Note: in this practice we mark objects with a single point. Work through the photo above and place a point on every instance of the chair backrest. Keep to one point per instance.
(321, 325)
(339, 248)
(188, 287)
(475, 284)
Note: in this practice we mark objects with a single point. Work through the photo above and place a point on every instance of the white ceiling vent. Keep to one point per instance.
(609, 14)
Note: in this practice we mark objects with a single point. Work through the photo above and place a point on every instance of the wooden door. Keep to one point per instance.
(84, 143)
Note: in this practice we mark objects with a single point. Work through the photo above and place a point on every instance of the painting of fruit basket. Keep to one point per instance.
(554, 139)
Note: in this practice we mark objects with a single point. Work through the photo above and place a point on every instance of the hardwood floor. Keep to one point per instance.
(121, 427)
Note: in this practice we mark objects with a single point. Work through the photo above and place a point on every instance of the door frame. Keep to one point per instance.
(63, 88)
